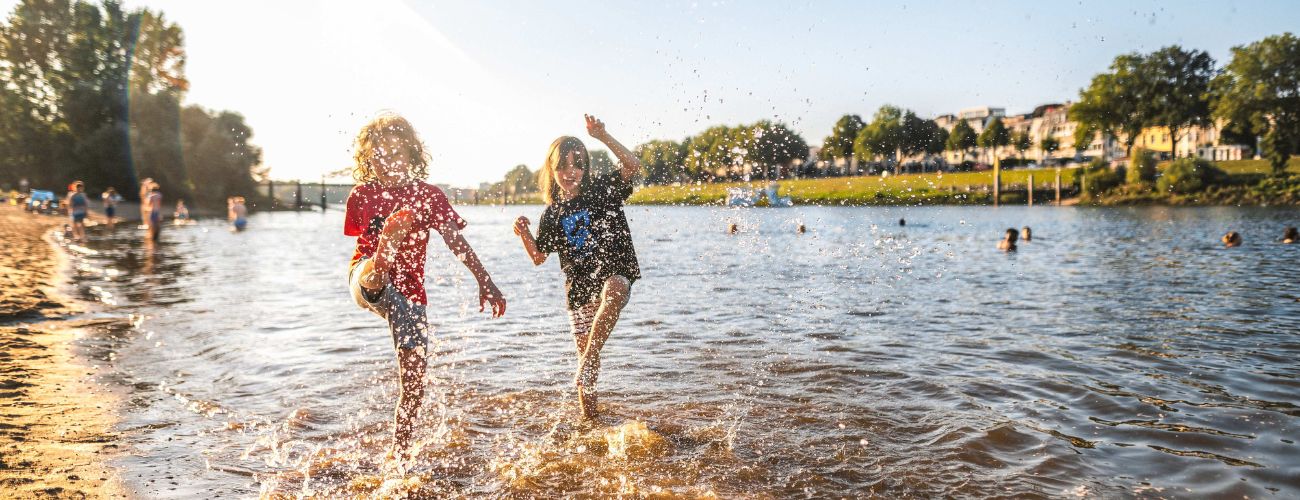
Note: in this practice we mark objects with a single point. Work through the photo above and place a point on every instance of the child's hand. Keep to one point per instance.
(521, 226)
(488, 293)
(596, 128)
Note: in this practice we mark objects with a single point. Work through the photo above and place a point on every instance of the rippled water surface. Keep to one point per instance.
(1122, 352)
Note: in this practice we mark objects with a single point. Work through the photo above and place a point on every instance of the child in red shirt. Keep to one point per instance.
(391, 212)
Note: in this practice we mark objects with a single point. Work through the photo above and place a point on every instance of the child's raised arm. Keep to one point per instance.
(631, 165)
(488, 293)
(530, 245)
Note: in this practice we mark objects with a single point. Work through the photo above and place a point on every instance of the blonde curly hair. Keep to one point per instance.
(388, 127)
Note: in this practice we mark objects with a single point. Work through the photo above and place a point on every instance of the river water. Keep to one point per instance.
(1122, 352)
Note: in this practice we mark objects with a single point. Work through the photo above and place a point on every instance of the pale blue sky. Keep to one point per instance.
(489, 84)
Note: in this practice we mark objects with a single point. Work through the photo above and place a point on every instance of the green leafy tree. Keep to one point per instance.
(1260, 90)
(1049, 145)
(893, 133)
(601, 163)
(882, 137)
(1022, 142)
(1115, 103)
(772, 146)
(962, 138)
(217, 154)
(840, 144)
(1180, 83)
(994, 136)
(937, 139)
(1141, 167)
(661, 161)
(94, 92)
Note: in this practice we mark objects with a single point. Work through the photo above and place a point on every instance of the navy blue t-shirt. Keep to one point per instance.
(591, 234)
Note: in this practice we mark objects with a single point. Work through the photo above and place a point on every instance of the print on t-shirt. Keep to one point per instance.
(577, 231)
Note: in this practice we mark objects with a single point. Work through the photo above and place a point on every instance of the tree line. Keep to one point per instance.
(762, 150)
(1257, 95)
(93, 91)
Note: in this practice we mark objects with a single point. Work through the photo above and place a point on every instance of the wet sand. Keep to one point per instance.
(55, 422)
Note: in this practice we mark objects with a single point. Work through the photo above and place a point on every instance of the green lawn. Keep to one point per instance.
(957, 188)
(1238, 167)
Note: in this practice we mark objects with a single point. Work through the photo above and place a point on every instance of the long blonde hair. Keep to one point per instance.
(388, 124)
(560, 150)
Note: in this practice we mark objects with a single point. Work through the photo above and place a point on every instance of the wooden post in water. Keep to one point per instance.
(322, 193)
(270, 191)
(997, 181)
(1058, 187)
(1031, 189)
(297, 195)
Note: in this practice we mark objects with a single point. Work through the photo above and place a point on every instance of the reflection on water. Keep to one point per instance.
(1121, 352)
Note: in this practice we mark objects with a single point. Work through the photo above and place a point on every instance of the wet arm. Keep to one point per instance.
(530, 245)
(629, 164)
(465, 253)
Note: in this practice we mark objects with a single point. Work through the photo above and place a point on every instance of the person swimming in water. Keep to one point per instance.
(1026, 234)
(181, 213)
(1290, 235)
(1008, 243)
(1232, 239)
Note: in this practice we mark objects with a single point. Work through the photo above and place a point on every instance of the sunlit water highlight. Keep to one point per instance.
(1122, 352)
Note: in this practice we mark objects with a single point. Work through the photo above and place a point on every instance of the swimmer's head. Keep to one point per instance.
(1012, 235)
(1026, 233)
(1290, 235)
(1232, 239)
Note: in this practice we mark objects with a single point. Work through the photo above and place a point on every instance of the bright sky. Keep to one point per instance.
(489, 84)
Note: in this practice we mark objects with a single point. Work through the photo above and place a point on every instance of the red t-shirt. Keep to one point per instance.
(369, 205)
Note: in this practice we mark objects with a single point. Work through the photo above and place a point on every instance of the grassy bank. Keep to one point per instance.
(1248, 183)
(959, 188)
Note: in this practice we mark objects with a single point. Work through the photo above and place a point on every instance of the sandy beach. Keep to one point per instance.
(56, 432)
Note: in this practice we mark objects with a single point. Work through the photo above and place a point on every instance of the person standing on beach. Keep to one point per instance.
(584, 222)
(110, 199)
(78, 206)
(152, 205)
(391, 211)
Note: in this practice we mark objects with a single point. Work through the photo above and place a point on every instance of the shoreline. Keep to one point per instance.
(57, 434)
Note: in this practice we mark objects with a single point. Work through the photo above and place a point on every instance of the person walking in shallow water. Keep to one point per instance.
(152, 205)
(391, 212)
(237, 213)
(110, 199)
(584, 222)
(78, 208)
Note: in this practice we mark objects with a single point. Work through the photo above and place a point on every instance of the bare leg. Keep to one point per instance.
(612, 299)
(410, 371)
(376, 271)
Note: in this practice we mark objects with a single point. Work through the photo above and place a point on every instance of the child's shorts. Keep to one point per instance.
(406, 320)
(78, 217)
(110, 211)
